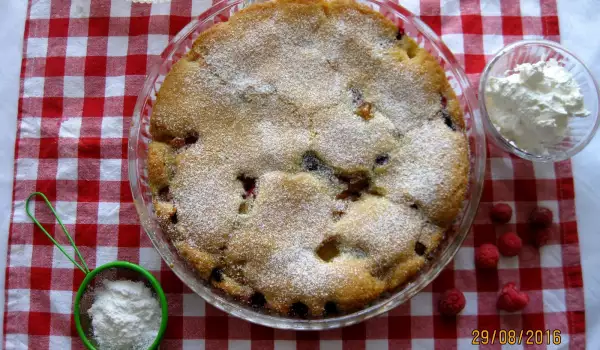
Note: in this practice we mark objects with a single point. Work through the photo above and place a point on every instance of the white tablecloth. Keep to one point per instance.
(579, 26)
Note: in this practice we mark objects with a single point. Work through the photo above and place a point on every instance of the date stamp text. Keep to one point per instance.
(514, 337)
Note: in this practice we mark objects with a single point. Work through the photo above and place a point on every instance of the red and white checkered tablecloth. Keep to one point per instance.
(84, 63)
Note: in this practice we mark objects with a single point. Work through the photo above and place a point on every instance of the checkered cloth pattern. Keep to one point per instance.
(84, 63)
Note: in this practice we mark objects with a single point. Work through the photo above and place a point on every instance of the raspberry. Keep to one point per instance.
(511, 299)
(177, 142)
(451, 302)
(487, 256)
(541, 236)
(509, 244)
(501, 213)
(540, 217)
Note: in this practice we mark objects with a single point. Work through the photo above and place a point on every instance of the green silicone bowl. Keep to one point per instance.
(115, 270)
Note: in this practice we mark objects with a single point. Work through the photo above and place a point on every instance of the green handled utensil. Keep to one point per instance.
(112, 271)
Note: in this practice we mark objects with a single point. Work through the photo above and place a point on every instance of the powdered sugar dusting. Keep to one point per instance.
(422, 169)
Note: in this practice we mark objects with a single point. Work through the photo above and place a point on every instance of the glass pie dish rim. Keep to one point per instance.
(238, 309)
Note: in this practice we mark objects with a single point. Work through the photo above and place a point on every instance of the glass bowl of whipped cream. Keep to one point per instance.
(539, 101)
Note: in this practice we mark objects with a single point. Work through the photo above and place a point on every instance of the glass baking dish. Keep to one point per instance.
(139, 138)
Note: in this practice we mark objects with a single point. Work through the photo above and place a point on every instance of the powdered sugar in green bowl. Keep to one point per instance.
(118, 305)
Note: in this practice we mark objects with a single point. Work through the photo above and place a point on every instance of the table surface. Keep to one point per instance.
(577, 22)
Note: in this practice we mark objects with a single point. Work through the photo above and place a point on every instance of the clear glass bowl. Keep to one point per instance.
(139, 139)
(580, 131)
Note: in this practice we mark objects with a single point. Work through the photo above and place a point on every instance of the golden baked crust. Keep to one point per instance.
(306, 157)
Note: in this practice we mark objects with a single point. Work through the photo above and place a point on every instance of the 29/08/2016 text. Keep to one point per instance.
(513, 337)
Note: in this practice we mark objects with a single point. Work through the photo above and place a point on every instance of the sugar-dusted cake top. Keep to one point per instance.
(307, 156)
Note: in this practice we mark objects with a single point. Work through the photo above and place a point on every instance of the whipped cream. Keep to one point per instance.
(531, 107)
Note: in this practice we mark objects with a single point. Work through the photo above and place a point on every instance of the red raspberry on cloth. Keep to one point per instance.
(540, 217)
(487, 256)
(509, 244)
(511, 299)
(451, 302)
(501, 213)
